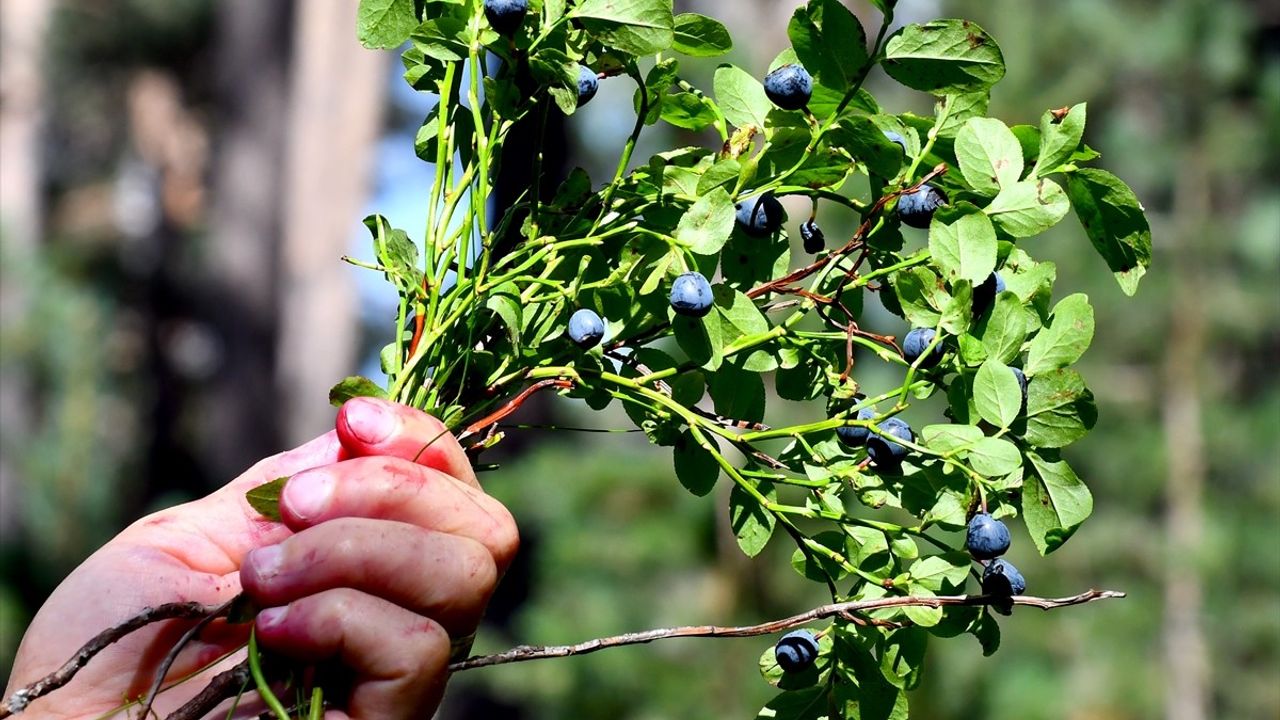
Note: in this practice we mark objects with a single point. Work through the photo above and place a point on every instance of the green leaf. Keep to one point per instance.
(1060, 409)
(559, 73)
(706, 226)
(354, 387)
(700, 36)
(994, 457)
(806, 704)
(965, 249)
(1029, 207)
(689, 111)
(862, 136)
(989, 154)
(1113, 219)
(963, 108)
(921, 295)
(638, 27)
(1005, 328)
(1065, 338)
(1054, 502)
(940, 573)
(921, 615)
(266, 498)
(733, 315)
(1059, 140)
(945, 438)
(752, 525)
(987, 630)
(738, 394)
(829, 42)
(944, 57)
(741, 97)
(385, 24)
(997, 393)
(696, 468)
(505, 302)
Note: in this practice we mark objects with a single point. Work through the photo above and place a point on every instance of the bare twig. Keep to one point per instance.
(524, 653)
(172, 656)
(223, 685)
(18, 701)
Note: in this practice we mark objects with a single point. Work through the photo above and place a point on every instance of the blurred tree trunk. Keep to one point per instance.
(335, 116)
(22, 28)
(1186, 653)
(251, 65)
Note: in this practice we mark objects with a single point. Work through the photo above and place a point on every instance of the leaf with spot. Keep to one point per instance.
(1054, 501)
(1028, 208)
(944, 57)
(1059, 139)
(1065, 338)
(989, 154)
(638, 27)
(1115, 223)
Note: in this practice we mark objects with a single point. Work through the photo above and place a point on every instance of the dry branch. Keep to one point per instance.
(537, 652)
(18, 701)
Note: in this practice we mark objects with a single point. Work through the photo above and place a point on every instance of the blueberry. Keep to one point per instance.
(760, 216)
(588, 84)
(987, 537)
(985, 294)
(1002, 579)
(916, 342)
(796, 651)
(916, 208)
(586, 329)
(884, 451)
(856, 435)
(814, 239)
(506, 16)
(895, 137)
(691, 295)
(789, 87)
(1022, 384)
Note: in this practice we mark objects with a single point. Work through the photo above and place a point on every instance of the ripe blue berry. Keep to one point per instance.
(985, 294)
(789, 87)
(506, 16)
(586, 329)
(895, 137)
(691, 295)
(1002, 579)
(856, 435)
(916, 208)
(588, 84)
(916, 342)
(796, 651)
(760, 216)
(814, 239)
(884, 451)
(1022, 383)
(987, 538)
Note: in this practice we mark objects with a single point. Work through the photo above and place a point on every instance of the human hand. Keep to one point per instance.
(386, 550)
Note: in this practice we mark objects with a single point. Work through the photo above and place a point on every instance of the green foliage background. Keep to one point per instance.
(1184, 99)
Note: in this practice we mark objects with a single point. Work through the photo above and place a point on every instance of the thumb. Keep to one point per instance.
(369, 426)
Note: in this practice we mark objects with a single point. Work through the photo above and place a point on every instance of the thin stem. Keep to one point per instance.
(260, 680)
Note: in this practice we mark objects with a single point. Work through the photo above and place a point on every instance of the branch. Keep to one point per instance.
(538, 652)
(18, 701)
(222, 686)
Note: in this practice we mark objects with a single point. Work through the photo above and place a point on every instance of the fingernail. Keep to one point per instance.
(265, 561)
(370, 421)
(271, 617)
(307, 494)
